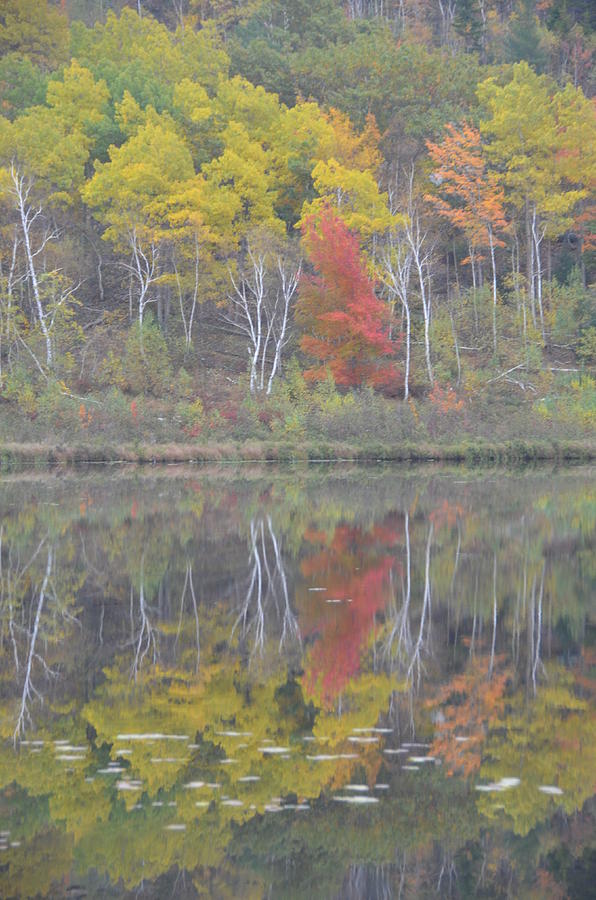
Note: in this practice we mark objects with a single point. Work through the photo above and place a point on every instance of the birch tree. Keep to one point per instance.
(261, 295)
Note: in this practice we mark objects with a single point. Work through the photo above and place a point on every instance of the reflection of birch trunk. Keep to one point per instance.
(537, 624)
(189, 584)
(366, 880)
(399, 645)
(267, 585)
(492, 649)
(399, 637)
(290, 627)
(144, 640)
(415, 658)
(28, 687)
(447, 870)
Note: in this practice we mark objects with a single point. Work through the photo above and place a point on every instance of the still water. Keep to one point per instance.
(324, 682)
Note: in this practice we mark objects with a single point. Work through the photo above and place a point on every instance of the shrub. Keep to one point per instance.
(192, 416)
(19, 388)
(587, 346)
(147, 367)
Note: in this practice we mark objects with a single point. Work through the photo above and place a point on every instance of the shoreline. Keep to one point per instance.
(22, 456)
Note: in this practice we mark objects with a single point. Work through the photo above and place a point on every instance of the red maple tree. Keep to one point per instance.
(343, 322)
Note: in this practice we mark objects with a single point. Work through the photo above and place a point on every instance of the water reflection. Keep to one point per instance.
(352, 683)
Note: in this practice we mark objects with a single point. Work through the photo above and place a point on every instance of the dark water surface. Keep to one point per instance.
(318, 682)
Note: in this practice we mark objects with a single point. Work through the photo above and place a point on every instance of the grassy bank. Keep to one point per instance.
(20, 456)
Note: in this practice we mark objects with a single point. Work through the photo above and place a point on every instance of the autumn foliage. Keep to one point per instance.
(469, 196)
(354, 567)
(343, 323)
(470, 704)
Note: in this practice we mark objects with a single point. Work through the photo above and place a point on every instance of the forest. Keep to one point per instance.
(300, 228)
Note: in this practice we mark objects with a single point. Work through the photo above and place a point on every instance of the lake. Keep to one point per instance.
(320, 682)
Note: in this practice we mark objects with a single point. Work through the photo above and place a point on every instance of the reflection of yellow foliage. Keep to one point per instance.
(547, 741)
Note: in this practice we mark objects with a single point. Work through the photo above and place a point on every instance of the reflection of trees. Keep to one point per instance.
(401, 649)
(143, 632)
(267, 591)
(29, 689)
(346, 588)
(189, 583)
(32, 618)
(500, 575)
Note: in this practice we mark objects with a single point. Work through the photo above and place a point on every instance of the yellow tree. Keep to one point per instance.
(524, 145)
(34, 29)
(134, 194)
(42, 166)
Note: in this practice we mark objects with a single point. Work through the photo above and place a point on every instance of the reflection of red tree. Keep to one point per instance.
(446, 514)
(354, 569)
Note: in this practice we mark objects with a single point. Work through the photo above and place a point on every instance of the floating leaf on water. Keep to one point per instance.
(168, 759)
(234, 733)
(157, 736)
(129, 785)
(275, 750)
(326, 757)
(373, 730)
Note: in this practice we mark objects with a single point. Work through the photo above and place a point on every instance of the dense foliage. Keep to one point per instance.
(165, 168)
